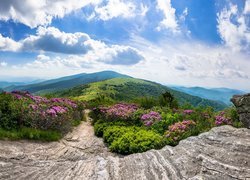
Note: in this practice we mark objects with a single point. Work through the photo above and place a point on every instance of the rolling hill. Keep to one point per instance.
(65, 82)
(128, 89)
(216, 94)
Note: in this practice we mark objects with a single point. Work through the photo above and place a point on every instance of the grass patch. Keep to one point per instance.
(29, 133)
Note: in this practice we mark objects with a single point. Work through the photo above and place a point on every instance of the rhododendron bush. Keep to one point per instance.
(22, 109)
(128, 128)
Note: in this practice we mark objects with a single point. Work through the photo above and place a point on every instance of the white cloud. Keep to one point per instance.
(7, 44)
(169, 21)
(53, 40)
(34, 13)
(115, 8)
(3, 64)
(233, 28)
(175, 62)
(118, 8)
(247, 7)
(42, 57)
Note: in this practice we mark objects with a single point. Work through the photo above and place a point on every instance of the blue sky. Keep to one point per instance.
(183, 42)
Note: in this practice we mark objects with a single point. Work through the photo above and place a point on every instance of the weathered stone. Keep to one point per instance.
(242, 104)
(221, 153)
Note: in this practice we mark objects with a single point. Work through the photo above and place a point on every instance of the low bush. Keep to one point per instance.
(114, 132)
(137, 141)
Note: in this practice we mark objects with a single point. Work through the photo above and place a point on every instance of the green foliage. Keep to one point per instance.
(10, 112)
(167, 120)
(137, 141)
(167, 99)
(113, 133)
(29, 133)
(100, 126)
(147, 102)
(233, 115)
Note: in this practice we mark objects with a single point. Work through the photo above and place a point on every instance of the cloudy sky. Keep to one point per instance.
(182, 42)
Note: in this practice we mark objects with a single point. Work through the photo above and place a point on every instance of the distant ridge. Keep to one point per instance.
(66, 82)
(216, 94)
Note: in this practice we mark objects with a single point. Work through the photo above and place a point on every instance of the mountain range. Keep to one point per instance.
(65, 82)
(216, 94)
(121, 87)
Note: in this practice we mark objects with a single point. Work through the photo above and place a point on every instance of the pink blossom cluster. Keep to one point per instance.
(188, 111)
(43, 106)
(38, 99)
(221, 119)
(178, 128)
(150, 118)
(120, 110)
(55, 110)
(181, 126)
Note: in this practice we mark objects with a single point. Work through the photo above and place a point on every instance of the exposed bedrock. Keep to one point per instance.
(242, 103)
(221, 153)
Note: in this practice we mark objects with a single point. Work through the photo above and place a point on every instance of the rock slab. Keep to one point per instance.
(222, 153)
(242, 103)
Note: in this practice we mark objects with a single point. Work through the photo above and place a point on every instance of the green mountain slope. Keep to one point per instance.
(127, 89)
(66, 82)
(216, 94)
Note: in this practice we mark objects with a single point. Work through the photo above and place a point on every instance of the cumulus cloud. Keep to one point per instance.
(53, 40)
(181, 62)
(35, 13)
(233, 28)
(169, 21)
(177, 63)
(115, 8)
(7, 44)
(118, 8)
(42, 57)
(3, 64)
(122, 55)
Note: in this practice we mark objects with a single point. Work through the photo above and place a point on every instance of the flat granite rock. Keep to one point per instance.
(222, 153)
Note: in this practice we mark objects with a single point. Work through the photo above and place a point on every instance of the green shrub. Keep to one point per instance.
(114, 132)
(99, 127)
(10, 112)
(232, 114)
(136, 142)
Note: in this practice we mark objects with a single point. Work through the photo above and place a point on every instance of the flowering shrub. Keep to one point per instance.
(221, 119)
(175, 132)
(150, 118)
(39, 112)
(119, 111)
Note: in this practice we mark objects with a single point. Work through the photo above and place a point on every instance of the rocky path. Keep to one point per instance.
(222, 153)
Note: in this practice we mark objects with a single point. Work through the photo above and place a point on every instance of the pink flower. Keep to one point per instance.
(188, 111)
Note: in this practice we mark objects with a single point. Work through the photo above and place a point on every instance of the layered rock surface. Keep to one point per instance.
(222, 153)
(242, 103)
